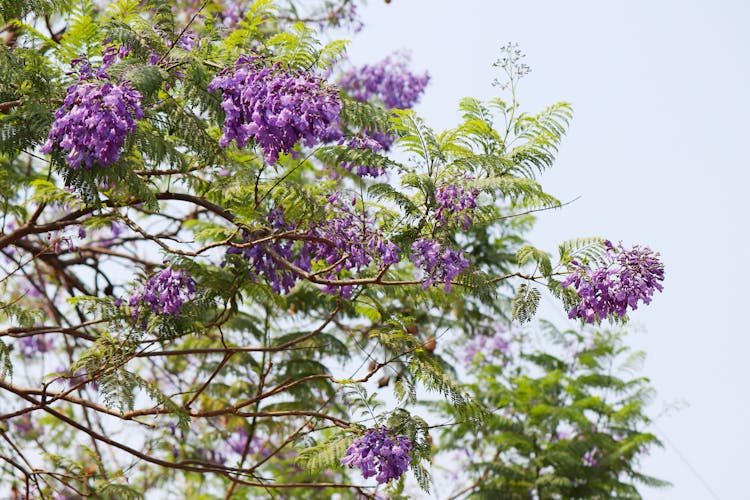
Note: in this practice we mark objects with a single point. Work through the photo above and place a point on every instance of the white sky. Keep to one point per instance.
(655, 150)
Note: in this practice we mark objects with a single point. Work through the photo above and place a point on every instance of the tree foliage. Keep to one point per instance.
(185, 317)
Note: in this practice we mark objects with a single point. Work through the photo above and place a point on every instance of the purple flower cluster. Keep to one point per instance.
(346, 241)
(364, 143)
(257, 446)
(24, 426)
(454, 201)
(33, 345)
(488, 347)
(590, 458)
(389, 81)
(110, 55)
(275, 108)
(165, 292)
(631, 276)
(185, 41)
(263, 263)
(93, 122)
(440, 264)
(380, 452)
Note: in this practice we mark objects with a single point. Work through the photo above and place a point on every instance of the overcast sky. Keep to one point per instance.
(657, 153)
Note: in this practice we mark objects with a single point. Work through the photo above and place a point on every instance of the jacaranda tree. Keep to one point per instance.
(232, 265)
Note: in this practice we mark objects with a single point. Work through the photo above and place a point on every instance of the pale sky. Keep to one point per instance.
(655, 151)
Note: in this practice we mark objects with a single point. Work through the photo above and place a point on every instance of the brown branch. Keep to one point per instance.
(5, 106)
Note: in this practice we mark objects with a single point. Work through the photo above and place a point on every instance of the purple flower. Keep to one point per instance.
(590, 457)
(24, 426)
(489, 347)
(346, 241)
(257, 447)
(455, 202)
(30, 346)
(93, 122)
(275, 108)
(379, 452)
(389, 81)
(165, 292)
(363, 143)
(440, 264)
(110, 55)
(630, 277)
(263, 263)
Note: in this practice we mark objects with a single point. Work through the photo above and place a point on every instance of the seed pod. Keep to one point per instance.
(430, 344)
(373, 365)
(384, 381)
(412, 329)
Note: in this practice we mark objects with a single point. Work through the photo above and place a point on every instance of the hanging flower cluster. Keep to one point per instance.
(388, 81)
(165, 292)
(93, 122)
(275, 108)
(391, 83)
(440, 264)
(631, 276)
(96, 115)
(379, 453)
(33, 345)
(456, 201)
(364, 143)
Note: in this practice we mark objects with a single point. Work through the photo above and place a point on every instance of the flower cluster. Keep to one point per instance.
(590, 458)
(93, 122)
(440, 264)
(455, 200)
(347, 241)
(483, 348)
(186, 40)
(110, 55)
(33, 345)
(380, 452)
(275, 108)
(363, 143)
(632, 276)
(241, 444)
(262, 261)
(389, 81)
(165, 292)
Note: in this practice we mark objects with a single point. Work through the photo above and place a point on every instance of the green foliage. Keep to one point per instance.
(6, 365)
(113, 490)
(525, 303)
(570, 428)
(324, 455)
(246, 391)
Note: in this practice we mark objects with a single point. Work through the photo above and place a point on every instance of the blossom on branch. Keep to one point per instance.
(456, 202)
(379, 452)
(275, 108)
(439, 263)
(631, 276)
(165, 292)
(93, 122)
(388, 81)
